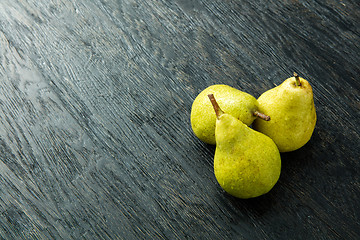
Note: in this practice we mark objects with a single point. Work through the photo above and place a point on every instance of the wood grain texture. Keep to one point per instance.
(95, 100)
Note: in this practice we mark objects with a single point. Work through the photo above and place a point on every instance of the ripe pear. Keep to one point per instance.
(237, 103)
(293, 114)
(247, 163)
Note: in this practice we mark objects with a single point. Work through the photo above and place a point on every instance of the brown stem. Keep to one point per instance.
(297, 79)
(262, 116)
(217, 109)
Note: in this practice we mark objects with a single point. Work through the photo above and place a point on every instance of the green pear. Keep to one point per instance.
(237, 103)
(292, 110)
(247, 163)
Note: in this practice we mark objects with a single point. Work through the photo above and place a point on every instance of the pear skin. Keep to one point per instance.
(237, 103)
(247, 163)
(293, 115)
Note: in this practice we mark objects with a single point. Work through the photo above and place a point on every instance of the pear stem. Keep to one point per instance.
(297, 79)
(262, 116)
(217, 109)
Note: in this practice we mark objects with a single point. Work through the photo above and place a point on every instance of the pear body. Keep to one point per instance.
(293, 114)
(237, 103)
(247, 163)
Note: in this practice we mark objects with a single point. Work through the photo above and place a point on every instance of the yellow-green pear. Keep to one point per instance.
(292, 110)
(237, 103)
(247, 163)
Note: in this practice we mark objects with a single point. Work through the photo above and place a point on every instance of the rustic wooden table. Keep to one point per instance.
(95, 99)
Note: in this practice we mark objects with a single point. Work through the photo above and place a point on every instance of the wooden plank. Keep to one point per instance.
(95, 100)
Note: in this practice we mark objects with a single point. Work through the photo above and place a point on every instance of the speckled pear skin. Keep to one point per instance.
(237, 103)
(293, 114)
(247, 163)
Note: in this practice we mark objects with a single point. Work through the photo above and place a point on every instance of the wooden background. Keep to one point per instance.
(95, 99)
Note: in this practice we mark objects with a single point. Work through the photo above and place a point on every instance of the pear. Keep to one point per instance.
(293, 114)
(241, 105)
(247, 163)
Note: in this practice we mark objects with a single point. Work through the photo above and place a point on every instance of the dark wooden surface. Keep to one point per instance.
(95, 99)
